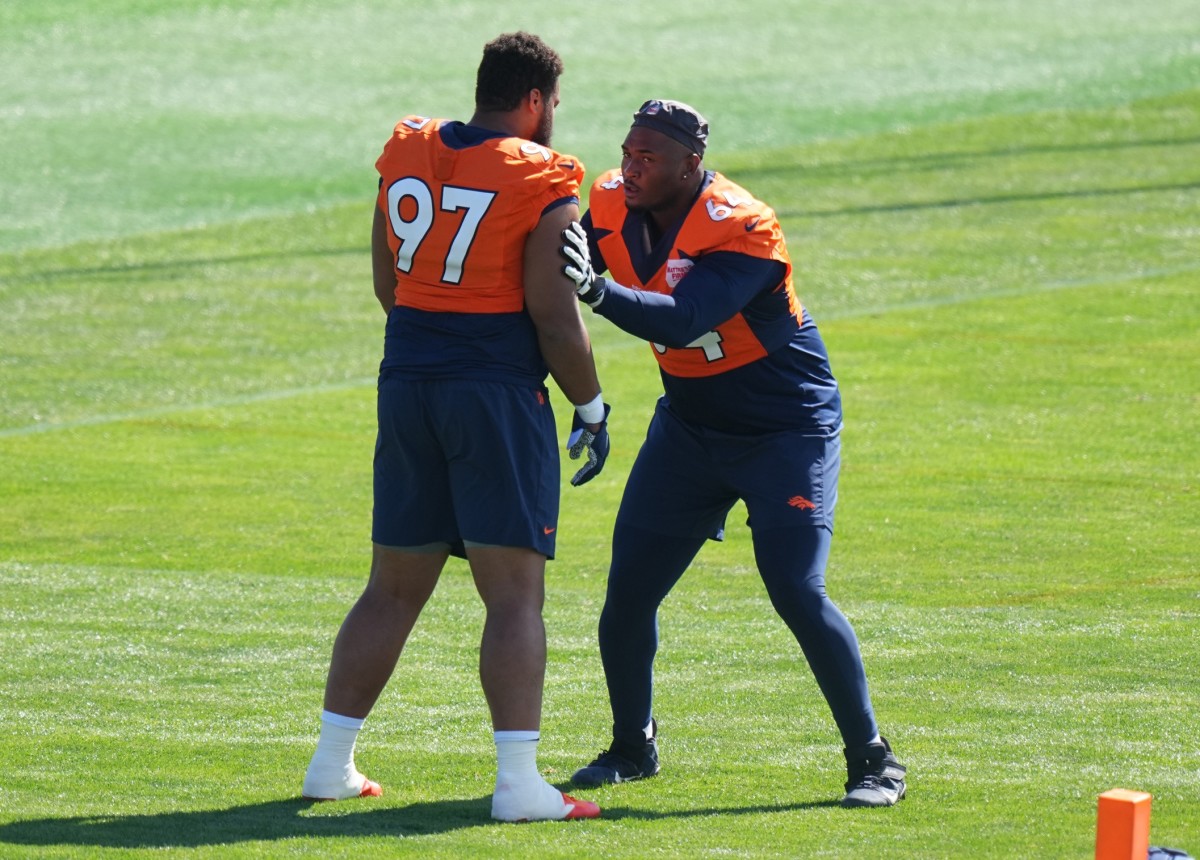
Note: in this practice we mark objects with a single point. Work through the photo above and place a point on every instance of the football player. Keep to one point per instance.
(464, 248)
(750, 411)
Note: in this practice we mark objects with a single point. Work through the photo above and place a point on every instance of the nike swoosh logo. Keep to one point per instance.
(750, 225)
(549, 530)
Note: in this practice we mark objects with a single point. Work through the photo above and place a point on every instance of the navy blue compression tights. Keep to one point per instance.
(646, 565)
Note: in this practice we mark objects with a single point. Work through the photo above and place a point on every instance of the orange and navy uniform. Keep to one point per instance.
(460, 202)
(736, 349)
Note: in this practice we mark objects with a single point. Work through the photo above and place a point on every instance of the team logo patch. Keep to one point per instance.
(676, 269)
(801, 503)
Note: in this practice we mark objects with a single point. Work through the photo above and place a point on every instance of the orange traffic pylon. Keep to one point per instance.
(1123, 825)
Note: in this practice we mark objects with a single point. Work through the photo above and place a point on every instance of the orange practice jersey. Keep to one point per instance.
(726, 217)
(459, 212)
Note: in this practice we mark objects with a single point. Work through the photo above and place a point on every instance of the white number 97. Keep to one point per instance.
(412, 232)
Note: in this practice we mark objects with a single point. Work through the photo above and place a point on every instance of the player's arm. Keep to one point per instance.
(718, 286)
(550, 300)
(715, 289)
(383, 265)
(564, 340)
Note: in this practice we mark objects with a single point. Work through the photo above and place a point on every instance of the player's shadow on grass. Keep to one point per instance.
(286, 819)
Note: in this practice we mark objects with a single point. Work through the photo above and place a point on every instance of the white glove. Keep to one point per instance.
(589, 286)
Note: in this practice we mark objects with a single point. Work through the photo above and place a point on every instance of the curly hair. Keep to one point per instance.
(512, 65)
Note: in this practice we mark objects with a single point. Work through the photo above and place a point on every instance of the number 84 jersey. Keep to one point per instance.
(724, 218)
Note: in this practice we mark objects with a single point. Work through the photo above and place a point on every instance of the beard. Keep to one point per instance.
(545, 129)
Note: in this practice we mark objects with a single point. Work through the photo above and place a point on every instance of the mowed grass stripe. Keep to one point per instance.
(243, 312)
(125, 116)
(365, 382)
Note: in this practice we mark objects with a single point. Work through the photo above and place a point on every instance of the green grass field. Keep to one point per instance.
(994, 210)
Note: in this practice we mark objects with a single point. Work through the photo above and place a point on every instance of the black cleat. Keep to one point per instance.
(620, 763)
(875, 778)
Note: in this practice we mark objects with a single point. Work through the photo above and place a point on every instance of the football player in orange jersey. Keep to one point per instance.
(751, 411)
(464, 250)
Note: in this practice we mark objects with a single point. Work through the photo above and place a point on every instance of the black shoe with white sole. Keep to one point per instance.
(620, 763)
(874, 776)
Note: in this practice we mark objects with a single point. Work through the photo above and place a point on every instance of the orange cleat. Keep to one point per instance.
(581, 808)
(369, 789)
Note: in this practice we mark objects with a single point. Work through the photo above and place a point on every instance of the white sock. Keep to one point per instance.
(521, 792)
(331, 773)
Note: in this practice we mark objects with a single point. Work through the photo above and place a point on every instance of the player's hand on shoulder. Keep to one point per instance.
(589, 286)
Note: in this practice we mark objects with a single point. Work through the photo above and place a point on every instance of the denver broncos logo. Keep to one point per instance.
(801, 503)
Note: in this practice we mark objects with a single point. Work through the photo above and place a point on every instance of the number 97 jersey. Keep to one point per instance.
(460, 202)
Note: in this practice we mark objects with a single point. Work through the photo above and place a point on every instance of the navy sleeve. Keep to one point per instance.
(562, 201)
(718, 286)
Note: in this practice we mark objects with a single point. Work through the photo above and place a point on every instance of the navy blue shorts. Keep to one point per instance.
(463, 460)
(687, 477)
